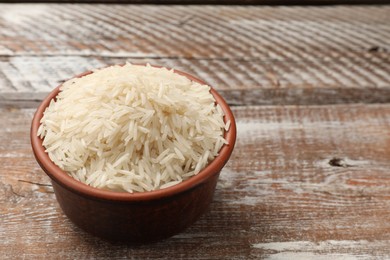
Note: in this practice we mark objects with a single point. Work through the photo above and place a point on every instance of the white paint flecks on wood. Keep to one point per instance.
(255, 55)
(24, 13)
(303, 182)
(329, 249)
(25, 80)
(309, 246)
(43, 73)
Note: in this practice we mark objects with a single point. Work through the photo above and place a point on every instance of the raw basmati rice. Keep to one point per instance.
(133, 128)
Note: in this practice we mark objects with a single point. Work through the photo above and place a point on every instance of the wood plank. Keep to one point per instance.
(266, 33)
(27, 80)
(303, 181)
(254, 55)
(213, 2)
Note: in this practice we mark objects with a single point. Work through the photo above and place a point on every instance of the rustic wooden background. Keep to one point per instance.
(310, 89)
(211, 2)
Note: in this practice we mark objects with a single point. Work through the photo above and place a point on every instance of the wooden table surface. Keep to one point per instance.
(310, 89)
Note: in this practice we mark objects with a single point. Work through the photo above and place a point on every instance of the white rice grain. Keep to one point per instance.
(133, 128)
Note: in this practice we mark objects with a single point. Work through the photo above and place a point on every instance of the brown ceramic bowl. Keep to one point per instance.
(134, 217)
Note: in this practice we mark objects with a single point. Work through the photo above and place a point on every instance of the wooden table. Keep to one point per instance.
(310, 89)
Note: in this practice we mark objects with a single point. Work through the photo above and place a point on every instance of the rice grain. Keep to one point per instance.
(133, 128)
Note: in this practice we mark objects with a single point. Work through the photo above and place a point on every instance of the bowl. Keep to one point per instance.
(134, 217)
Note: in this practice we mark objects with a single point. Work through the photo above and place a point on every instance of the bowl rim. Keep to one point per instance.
(68, 182)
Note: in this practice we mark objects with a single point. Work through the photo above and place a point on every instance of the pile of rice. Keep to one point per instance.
(132, 128)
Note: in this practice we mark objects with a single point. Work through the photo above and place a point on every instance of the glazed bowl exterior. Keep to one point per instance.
(134, 217)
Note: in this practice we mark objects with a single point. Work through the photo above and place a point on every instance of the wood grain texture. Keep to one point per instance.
(254, 55)
(213, 2)
(303, 181)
